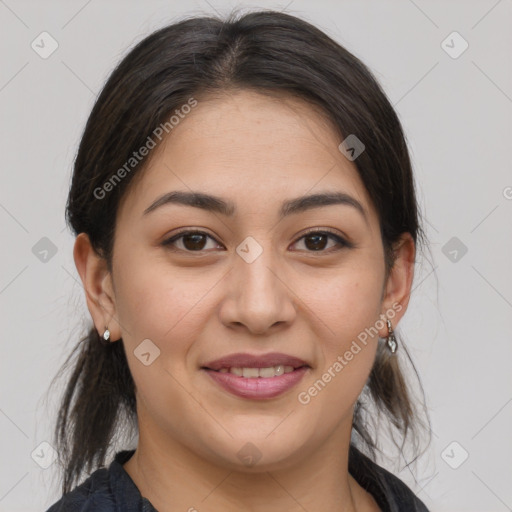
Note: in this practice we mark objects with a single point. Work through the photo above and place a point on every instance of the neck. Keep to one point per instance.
(173, 477)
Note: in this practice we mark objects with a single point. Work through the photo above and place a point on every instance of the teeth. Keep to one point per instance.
(268, 372)
(252, 373)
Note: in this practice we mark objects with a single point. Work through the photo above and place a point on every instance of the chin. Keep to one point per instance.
(258, 453)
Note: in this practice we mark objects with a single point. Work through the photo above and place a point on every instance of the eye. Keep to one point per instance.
(195, 241)
(191, 241)
(316, 240)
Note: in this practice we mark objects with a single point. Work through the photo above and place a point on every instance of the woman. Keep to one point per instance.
(246, 229)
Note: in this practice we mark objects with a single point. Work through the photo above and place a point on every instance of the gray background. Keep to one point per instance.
(457, 116)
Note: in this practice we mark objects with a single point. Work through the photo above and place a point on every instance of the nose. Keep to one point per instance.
(258, 296)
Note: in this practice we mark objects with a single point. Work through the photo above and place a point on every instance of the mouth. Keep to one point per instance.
(258, 373)
(256, 377)
(256, 362)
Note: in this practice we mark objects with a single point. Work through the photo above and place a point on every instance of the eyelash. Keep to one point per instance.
(341, 241)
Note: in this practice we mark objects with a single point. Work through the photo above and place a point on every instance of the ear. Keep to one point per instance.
(397, 289)
(98, 286)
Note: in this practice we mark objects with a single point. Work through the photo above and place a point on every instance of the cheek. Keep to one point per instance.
(162, 309)
(348, 309)
(346, 304)
(154, 304)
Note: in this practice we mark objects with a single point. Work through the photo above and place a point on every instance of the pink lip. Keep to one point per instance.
(257, 387)
(241, 360)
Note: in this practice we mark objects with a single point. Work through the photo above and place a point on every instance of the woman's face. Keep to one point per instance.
(252, 282)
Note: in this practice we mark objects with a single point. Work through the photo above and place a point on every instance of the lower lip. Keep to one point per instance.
(259, 387)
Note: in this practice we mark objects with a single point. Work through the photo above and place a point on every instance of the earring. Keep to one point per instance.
(391, 339)
(106, 334)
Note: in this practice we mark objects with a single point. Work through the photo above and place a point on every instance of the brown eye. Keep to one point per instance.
(316, 241)
(191, 241)
(196, 241)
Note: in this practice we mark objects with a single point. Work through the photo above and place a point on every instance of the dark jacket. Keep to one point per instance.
(112, 489)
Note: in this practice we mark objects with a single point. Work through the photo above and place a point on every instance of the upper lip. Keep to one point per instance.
(241, 360)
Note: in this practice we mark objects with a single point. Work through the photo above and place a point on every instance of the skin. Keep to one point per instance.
(256, 151)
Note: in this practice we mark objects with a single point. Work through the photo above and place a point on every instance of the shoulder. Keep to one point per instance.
(105, 490)
(92, 494)
(390, 493)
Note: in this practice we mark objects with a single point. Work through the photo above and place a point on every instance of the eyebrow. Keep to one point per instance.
(225, 207)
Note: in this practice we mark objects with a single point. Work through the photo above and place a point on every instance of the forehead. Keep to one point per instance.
(254, 148)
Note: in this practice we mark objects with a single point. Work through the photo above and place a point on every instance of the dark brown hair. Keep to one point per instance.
(272, 53)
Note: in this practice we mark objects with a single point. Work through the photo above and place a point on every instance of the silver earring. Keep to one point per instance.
(391, 339)
(106, 334)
